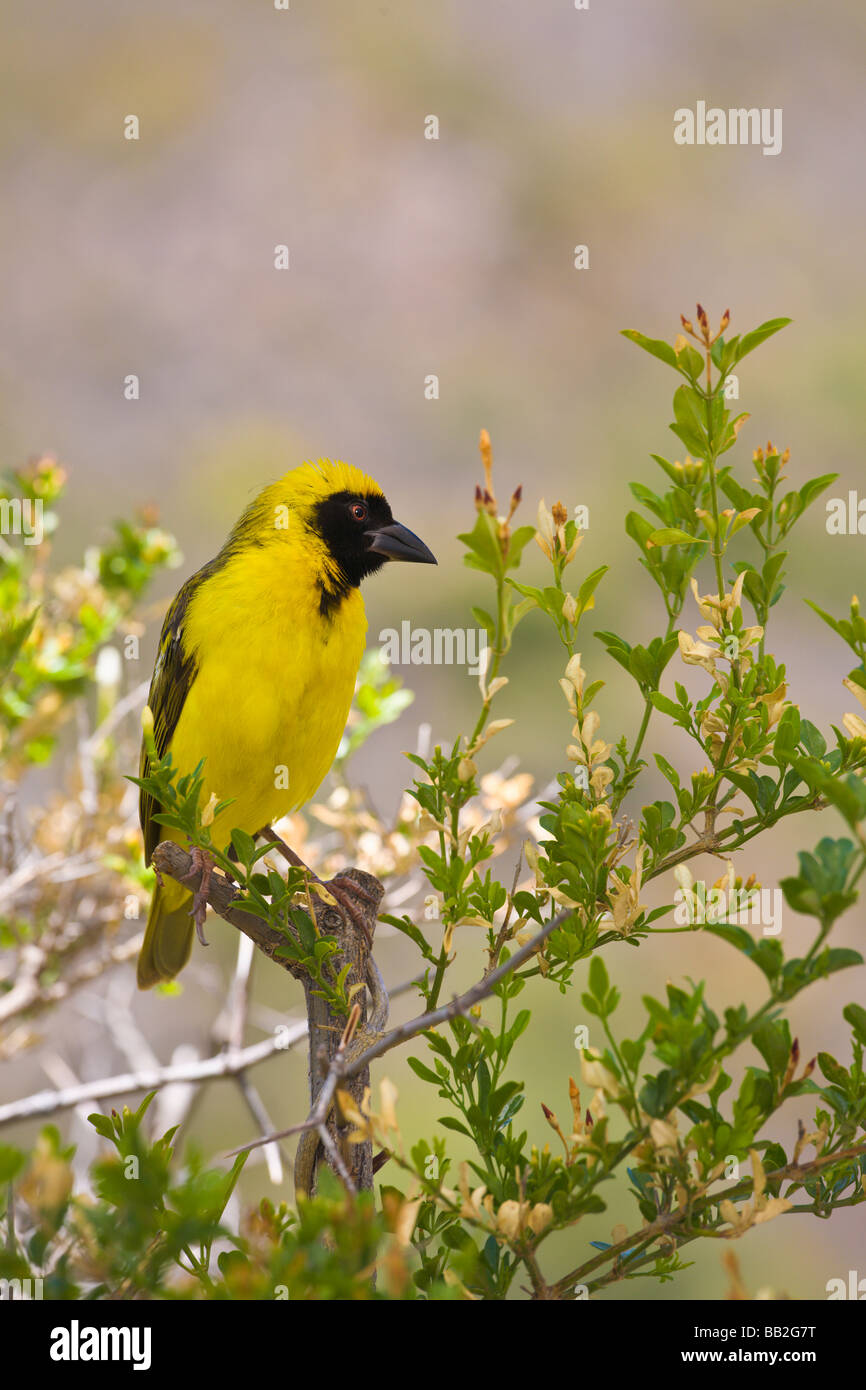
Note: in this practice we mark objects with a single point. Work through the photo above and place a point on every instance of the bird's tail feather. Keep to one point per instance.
(168, 936)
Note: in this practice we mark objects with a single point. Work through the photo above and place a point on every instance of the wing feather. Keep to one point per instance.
(172, 680)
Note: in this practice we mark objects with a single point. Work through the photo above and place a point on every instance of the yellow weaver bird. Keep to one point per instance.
(256, 667)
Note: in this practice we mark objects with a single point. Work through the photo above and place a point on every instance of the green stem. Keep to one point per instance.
(641, 735)
(711, 473)
(500, 648)
(627, 1076)
(642, 731)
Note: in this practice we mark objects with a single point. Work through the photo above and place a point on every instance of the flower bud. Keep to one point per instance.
(540, 1217)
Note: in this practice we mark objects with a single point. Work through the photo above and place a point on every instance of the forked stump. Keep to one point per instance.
(326, 1030)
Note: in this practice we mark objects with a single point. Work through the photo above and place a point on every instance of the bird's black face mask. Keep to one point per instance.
(361, 534)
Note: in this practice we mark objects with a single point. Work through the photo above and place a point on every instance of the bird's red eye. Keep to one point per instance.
(359, 511)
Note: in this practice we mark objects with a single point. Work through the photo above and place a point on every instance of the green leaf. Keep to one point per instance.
(787, 735)
(750, 341)
(425, 1073)
(520, 1024)
(448, 1122)
(483, 618)
(638, 528)
(665, 704)
(533, 594)
(773, 1041)
(689, 409)
(724, 354)
(690, 424)
(520, 538)
(835, 1074)
(670, 772)
(502, 1096)
(599, 982)
(508, 1111)
(814, 487)
(837, 625)
(244, 846)
(740, 496)
(838, 958)
(12, 1160)
(691, 361)
(305, 929)
(482, 542)
(12, 638)
(847, 794)
(855, 1014)
(766, 955)
(589, 586)
(103, 1126)
(668, 468)
(672, 535)
(812, 739)
(656, 347)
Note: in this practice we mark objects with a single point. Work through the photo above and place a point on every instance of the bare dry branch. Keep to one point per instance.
(228, 1063)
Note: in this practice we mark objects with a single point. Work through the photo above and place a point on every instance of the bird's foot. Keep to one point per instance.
(341, 889)
(203, 864)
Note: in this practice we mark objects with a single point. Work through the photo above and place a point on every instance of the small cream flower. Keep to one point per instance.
(775, 702)
(719, 611)
(624, 897)
(572, 683)
(663, 1134)
(540, 1217)
(597, 1075)
(545, 533)
(855, 726)
(854, 723)
(511, 1217)
(699, 654)
(762, 1209)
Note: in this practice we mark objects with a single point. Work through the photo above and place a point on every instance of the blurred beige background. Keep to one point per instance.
(454, 257)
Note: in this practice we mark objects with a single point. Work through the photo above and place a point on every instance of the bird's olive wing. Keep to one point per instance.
(172, 680)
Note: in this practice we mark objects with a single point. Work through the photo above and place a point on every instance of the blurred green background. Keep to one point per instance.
(454, 257)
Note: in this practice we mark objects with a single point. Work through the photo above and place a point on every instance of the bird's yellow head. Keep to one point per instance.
(337, 517)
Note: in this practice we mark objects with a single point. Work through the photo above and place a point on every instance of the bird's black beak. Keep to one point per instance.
(397, 542)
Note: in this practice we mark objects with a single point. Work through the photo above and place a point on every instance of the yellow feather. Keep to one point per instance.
(274, 679)
(272, 692)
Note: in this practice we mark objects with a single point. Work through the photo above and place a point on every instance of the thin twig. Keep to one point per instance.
(28, 993)
(459, 1005)
(668, 1222)
(151, 1079)
(272, 1153)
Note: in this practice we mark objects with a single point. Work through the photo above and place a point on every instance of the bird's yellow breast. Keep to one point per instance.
(273, 687)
